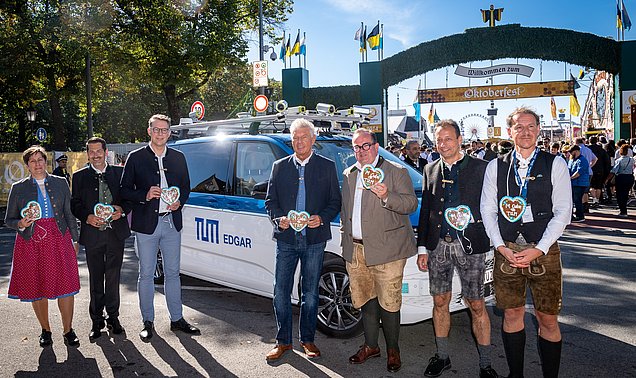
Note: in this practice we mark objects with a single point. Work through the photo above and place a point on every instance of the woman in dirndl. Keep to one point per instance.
(45, 255)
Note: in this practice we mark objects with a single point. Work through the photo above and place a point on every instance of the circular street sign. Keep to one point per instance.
(260, 103)
(198, 108)
(40, 134)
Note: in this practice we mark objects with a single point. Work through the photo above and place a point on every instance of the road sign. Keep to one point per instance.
(259, 73)
(198, 108)
(41, 134)
(260, 103)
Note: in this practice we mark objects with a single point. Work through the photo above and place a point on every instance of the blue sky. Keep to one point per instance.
(333, 56)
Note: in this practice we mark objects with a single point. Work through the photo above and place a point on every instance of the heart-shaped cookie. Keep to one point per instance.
(371, 176)
(458, 217)
(103, 211)
(512, 208)
(298, 219)
(32, 210)
(170, 195)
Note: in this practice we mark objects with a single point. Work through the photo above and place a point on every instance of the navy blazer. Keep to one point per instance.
(322, 195)
(140, 173)
(85, 195)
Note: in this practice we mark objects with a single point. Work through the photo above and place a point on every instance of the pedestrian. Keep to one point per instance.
(555, 149)
(451, 236)
(600, 170)
(578, 167)
(377, 238)
(505, 146)
(610, 148)
(624, 171)
(98, 205)
(302, 183)
(44, 263)
(60, 170)
(592, 159)
(489, 154)
(526, 202)
(155, 182)
(413, 156)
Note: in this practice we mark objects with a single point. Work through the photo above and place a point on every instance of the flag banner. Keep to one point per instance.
(619, 23)
(283, 49)
(358, 34)
(576, 83)
(500, 69)
(581, 74)
(288, 48)
(496, 92)
(296, 48)
(435, 117)
(374, 38)
(363, 40)
(418, 111)
(627, 23)
(303, 47)
(575, 108)
(431, 116)
(553, 109)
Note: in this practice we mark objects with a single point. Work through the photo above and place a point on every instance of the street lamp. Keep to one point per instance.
(31, 114)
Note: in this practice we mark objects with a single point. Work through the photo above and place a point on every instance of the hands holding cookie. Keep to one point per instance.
(25, 222)
(380, 190)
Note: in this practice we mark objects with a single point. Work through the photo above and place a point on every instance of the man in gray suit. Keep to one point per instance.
(377, 238)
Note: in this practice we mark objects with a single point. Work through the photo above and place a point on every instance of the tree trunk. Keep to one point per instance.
(59, 141)
(174, 112)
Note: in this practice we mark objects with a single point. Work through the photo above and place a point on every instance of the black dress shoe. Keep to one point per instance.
(46, 338)
(96, 330)
(436, 366)
(114, 326)
(488, 372)
(182, 325)
(71, 339)
(146, 333)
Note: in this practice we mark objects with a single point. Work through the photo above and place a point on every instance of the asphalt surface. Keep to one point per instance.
(598, 323)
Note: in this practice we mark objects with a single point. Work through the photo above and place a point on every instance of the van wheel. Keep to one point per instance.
(336, 315)
(159, 270)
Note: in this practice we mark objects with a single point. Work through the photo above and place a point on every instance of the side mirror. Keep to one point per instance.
(259, 191)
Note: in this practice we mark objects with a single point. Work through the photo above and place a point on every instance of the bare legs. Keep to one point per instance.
(66, 306)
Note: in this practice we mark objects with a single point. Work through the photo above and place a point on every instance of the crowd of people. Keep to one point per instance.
(515, 196)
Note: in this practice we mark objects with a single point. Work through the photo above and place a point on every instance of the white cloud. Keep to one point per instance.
(398, 19)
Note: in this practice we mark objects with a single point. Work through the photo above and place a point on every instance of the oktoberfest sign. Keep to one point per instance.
(496, 92)
(501, 69)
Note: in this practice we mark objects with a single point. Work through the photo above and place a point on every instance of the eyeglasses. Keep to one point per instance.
(364, 147)
(160, 130)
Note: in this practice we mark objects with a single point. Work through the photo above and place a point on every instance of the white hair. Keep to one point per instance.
(302, 123)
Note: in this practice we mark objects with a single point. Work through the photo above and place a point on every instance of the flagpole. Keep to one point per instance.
(360, 42)
(618, 27)
(382, 47)
(378, 41)
(284, 55)
(305, 53)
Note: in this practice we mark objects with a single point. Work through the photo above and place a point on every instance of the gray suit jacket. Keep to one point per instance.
(26, 189)
(386, 229)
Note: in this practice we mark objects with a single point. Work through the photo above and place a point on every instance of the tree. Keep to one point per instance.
(178, 48)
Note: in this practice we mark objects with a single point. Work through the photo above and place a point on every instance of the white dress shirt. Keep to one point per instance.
(561, 202)
(356, 214)
(163, 206)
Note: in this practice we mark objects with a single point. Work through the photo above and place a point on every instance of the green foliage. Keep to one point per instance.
(506, 41)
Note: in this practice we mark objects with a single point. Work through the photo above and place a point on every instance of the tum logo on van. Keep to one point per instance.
(207, 230)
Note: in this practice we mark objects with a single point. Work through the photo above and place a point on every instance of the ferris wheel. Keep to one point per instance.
(474, 126)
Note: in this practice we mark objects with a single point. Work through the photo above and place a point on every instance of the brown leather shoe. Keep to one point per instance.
(364, 354)
(277, 352)
(393, 362)
(311, 350)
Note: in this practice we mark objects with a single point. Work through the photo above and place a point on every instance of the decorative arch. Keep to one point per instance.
(505, 41)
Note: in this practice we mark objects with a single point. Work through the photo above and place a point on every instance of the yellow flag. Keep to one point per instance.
(553, 108)
(431, 116)
(575, 108)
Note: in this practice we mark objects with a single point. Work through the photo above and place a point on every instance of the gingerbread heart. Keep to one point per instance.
(298, 220)
(103, 211)
(170, 195)
(371, 176)
(458, 217)
(32, 210)
(512, 208)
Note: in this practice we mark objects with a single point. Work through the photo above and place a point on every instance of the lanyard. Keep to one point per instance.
(523, 184)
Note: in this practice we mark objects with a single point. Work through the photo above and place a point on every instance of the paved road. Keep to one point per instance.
(598, 324)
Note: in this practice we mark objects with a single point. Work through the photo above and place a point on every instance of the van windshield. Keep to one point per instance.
(341, 152)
